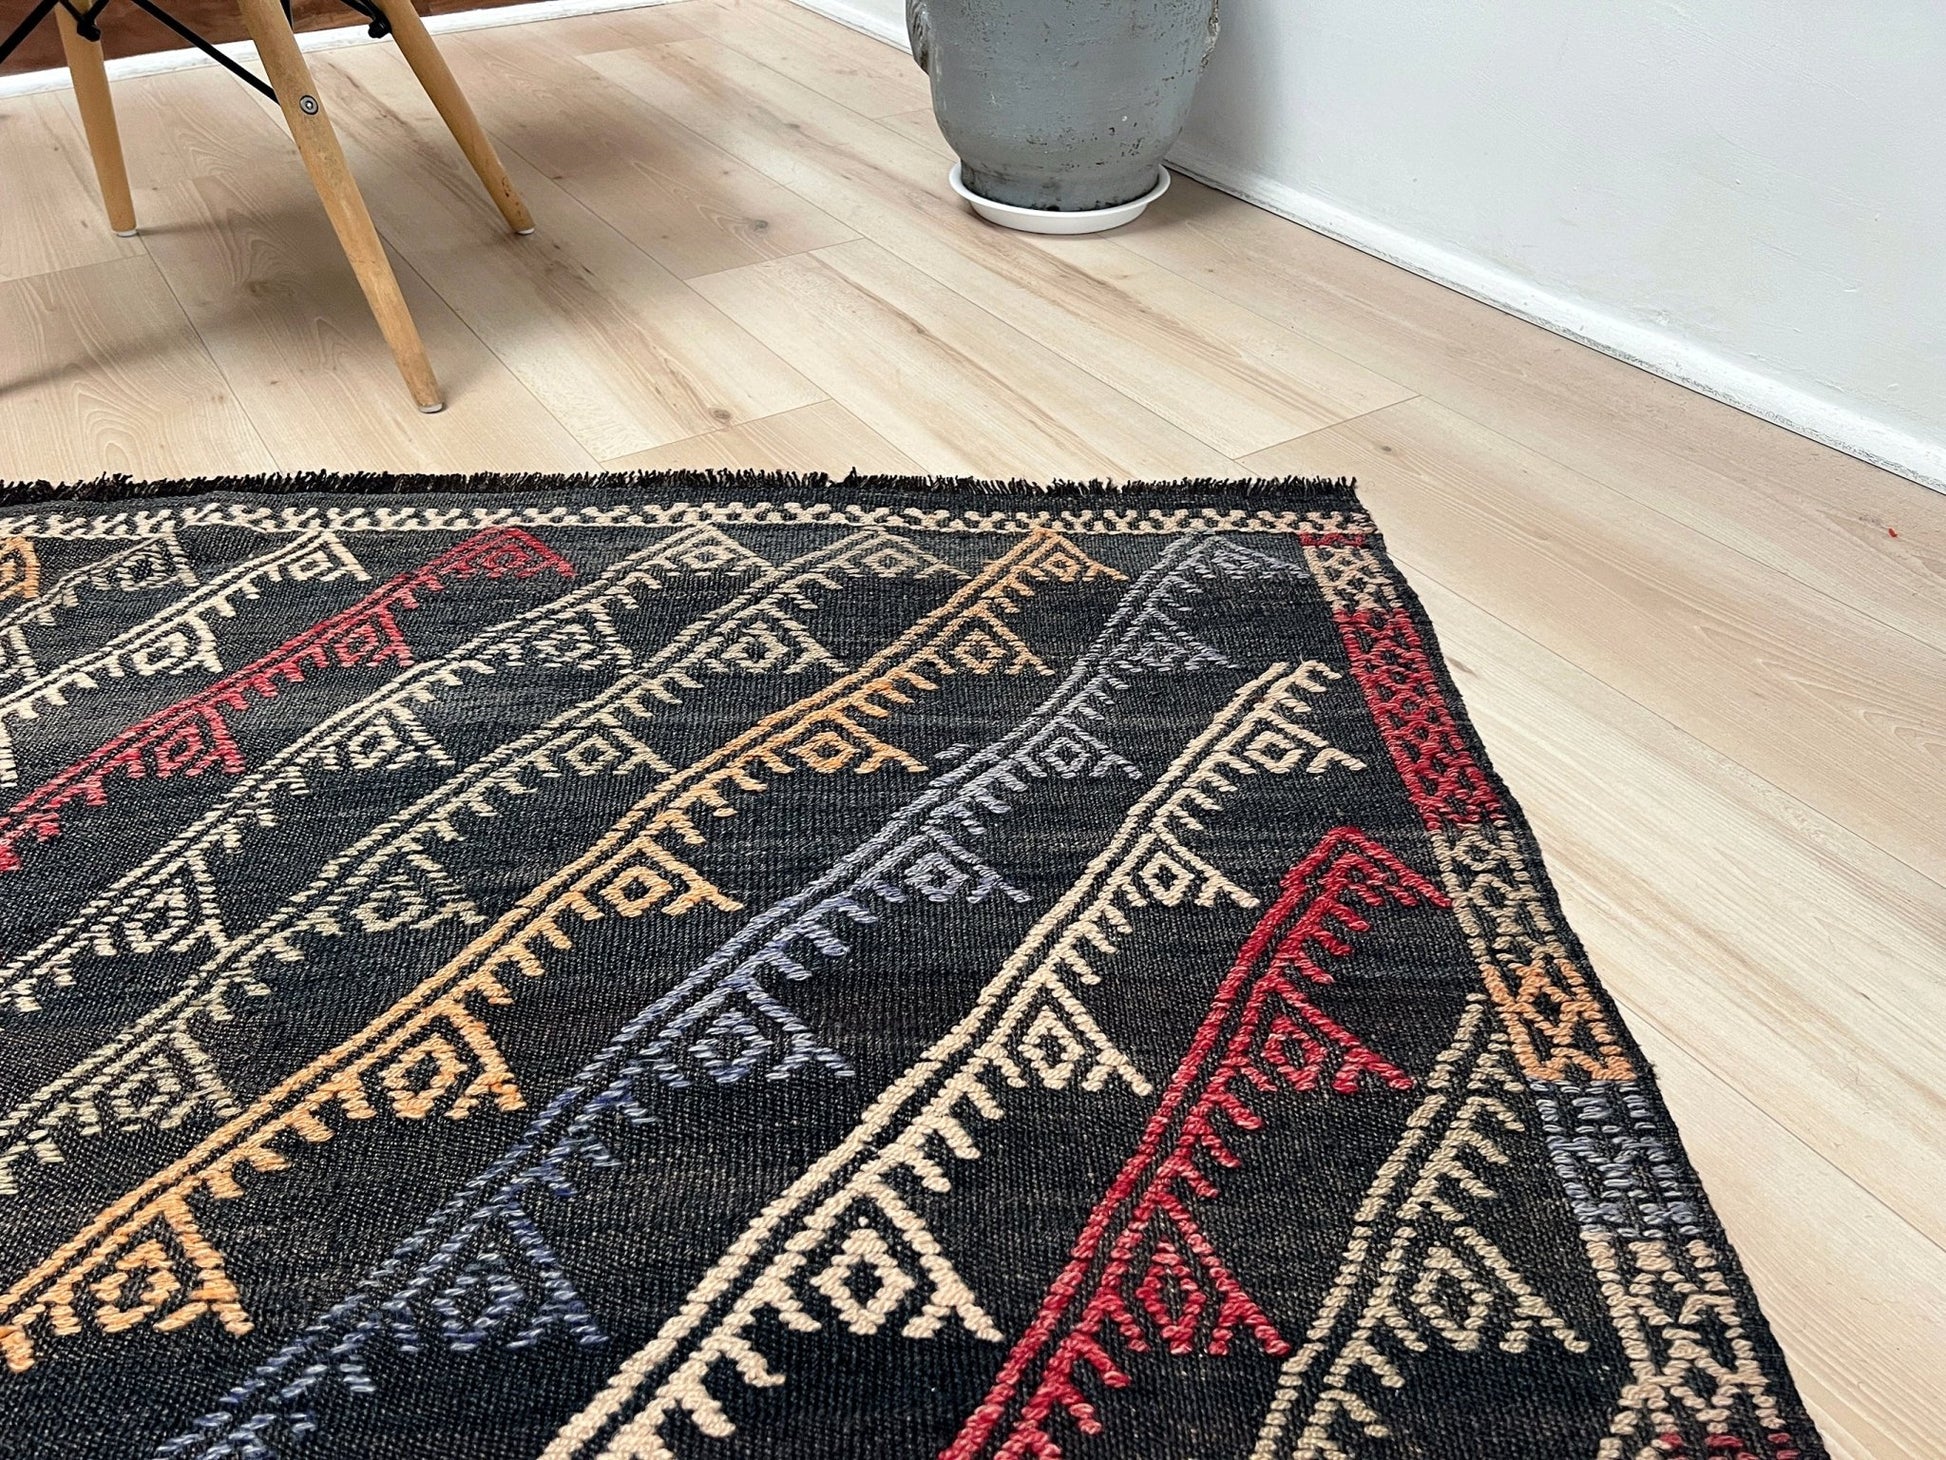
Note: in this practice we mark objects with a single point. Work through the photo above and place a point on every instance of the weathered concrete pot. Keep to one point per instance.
(1062, 104)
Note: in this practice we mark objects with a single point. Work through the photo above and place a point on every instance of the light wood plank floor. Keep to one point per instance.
(1709, 655)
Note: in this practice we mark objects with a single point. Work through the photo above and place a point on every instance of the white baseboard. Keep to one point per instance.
(1658, 351)
(187, 59)
(858, 18)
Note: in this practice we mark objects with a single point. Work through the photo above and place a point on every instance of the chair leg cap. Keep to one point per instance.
(127, 233)
(432, 410)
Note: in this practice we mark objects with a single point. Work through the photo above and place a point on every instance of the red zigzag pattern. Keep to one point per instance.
(193, 734)
(1261, 1034)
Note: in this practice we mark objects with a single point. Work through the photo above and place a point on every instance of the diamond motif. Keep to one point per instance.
(864, 1312)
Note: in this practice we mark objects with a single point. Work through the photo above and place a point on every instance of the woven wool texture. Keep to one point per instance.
(652, 967)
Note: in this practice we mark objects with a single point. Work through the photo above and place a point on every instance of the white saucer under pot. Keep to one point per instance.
(1047, 220)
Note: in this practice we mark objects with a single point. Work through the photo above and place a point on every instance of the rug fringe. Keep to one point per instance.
(667, 483)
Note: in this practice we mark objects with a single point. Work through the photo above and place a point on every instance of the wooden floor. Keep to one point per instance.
(1709, 655)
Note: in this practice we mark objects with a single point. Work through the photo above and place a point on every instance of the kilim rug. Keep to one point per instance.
(661, 968)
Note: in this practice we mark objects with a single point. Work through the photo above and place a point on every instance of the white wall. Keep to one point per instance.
(1749, 195)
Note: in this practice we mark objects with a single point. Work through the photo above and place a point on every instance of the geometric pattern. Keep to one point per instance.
(671, 966)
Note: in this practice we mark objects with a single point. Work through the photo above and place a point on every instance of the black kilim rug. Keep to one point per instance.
(658, 968)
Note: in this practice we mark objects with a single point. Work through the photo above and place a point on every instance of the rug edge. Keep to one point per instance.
(1648, 1080)
(117, 488)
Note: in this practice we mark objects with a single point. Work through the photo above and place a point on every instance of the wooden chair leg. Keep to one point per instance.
(324, 159)
(433, 73)
(98, 121)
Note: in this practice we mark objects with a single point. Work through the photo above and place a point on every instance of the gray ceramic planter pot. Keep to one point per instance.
(1062, 104)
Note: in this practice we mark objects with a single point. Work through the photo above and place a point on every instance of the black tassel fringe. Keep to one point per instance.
(682, 485)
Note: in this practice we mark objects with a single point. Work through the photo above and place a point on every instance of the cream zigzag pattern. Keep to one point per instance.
(180, 637)
(1422, 1269)
(146, 564)
(848, 1215)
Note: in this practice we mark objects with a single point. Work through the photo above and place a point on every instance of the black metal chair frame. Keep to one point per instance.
(86, 18)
